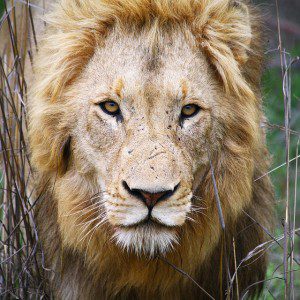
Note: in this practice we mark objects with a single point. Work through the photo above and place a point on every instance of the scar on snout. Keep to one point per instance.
(184, 88)
(118, 86)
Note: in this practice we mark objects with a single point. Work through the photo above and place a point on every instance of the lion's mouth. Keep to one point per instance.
(149, 222)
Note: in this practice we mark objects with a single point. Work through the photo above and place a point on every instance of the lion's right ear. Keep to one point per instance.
(50, 141)
(65, 156)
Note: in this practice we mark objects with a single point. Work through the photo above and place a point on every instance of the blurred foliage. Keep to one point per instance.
(1, 7)
(274, 110)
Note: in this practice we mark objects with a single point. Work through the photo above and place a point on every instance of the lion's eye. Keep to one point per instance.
(189, 110)
(110, 107)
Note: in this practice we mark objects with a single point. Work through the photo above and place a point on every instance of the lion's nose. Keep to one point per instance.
(150, 198)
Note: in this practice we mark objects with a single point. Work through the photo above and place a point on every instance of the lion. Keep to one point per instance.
(150, 160)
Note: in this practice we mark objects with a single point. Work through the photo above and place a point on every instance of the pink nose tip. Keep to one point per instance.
(152, 198)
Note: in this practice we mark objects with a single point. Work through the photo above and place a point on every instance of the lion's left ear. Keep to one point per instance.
(228, 34)
(242, 34)
(227, 30)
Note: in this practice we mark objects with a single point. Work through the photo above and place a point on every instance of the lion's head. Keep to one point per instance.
(133, 103)
(144, 112)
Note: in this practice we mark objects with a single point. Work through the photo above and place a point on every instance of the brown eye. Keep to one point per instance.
(110, 107)
(189, 110)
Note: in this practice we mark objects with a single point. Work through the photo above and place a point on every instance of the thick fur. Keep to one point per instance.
(150, 53)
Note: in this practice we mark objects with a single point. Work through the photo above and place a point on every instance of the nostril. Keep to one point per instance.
(126, 187)
(149, 198)
(134, 192)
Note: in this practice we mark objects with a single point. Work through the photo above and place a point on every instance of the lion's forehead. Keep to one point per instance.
(150, 70)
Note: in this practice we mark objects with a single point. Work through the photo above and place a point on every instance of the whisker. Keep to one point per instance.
(95, 228)
(100, 223)
(84, 210)
(190, 219)
(83, 202)
(100, 215)
(90, 221)
(197, 209)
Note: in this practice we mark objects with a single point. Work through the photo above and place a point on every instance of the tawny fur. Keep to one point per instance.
(146, 51)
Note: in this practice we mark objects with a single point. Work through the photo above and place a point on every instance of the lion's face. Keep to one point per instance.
(143, 121)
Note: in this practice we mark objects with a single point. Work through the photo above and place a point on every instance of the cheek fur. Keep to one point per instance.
(195, 141)
(173, 213)
(124, 214)
(104, 133)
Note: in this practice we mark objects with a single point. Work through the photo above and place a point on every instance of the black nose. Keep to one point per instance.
(149, 198)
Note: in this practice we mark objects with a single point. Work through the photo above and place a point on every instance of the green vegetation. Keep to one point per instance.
(274, 110)
(1, 7)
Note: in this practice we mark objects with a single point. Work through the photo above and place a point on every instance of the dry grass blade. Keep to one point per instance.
(218, 202)
(187, 275)
(21, 276)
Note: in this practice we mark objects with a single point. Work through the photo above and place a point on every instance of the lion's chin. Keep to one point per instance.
(146, 239)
